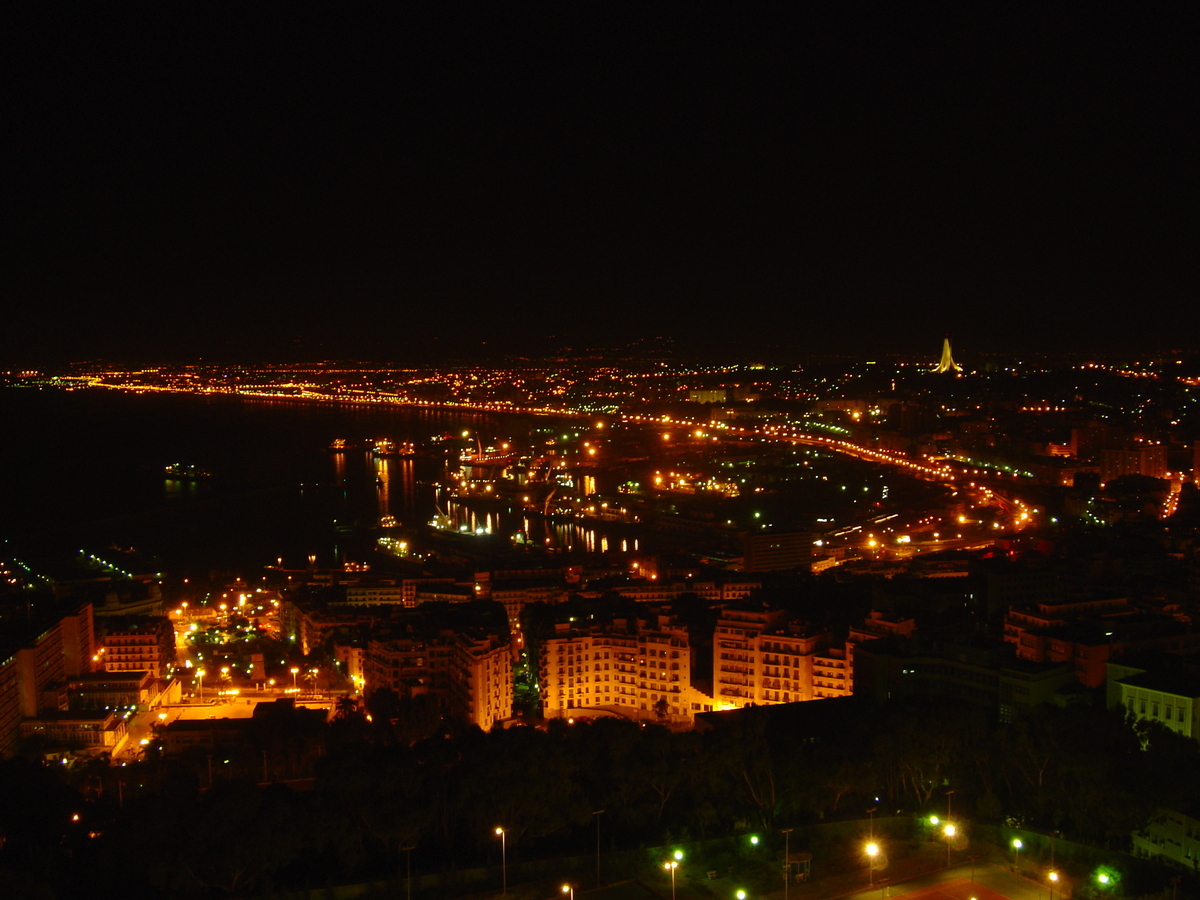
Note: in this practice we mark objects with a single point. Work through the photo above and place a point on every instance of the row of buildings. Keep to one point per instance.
(646, 665)
(75, 681)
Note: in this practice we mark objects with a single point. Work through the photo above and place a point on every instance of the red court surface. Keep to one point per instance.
(958, 889)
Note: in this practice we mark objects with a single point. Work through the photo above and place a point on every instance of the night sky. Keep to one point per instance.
(293, 181)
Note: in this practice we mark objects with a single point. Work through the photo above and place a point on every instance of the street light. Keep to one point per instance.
(503, 858)
(295, 670)
(598, 813)
(200, 675)
(1017, 845)
(872, 852)
(569, 889)
(408, 870)
(787, 860)
(740, 895)
(671, 866)
(1053, 876)
(949, 831)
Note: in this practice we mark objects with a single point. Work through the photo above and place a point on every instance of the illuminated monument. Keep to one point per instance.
(947, 363)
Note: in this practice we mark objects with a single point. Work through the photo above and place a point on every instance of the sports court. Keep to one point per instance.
(958, 889)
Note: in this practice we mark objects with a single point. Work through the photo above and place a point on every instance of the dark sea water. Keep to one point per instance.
(86, 468)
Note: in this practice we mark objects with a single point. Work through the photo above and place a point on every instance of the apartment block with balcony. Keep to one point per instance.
(33, 665)
(761, 657)
(470, 675)
(638, 669)
(138, 644)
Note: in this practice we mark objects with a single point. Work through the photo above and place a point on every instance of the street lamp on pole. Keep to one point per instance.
(671, 866)
(872, 852)
(598, 813)
(503, 860)
(408, 871)
(1017, 845)
(569, 889)
(200, 675)
(787, 860)
(1053, 876)
(295, 670)
(949, 831)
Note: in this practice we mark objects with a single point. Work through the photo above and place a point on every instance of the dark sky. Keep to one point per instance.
(300, 181)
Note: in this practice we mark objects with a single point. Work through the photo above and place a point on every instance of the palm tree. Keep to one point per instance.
(346, 706)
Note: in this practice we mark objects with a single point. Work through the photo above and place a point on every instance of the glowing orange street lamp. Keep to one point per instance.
(671, 866)
(872, 852)
(949, 831)
(503, 860)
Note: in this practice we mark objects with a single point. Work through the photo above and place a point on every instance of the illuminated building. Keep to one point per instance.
(26, 670)
(759, 657)
(76, 728)
(947, 363)
(133, 644)
(101, 690)
(470, 675)
(1150, 460)
(638, 670)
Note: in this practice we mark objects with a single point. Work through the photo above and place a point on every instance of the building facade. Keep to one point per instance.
(138, 644)
(638, 670)
(759, 657)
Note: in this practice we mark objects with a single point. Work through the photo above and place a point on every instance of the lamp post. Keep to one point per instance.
(872, 852)
(787, 860)
(1053, 876)
(569, 889)
(671, 866)
(1017, 845)
(295, 670)
(408, 871)
(200, 675)
(598, 813)
(503, 861)
(949, 831)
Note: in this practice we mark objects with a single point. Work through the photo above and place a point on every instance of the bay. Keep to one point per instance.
(86, 467)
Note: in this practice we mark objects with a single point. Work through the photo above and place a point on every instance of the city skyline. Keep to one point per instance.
(744, 450)
(425, 185)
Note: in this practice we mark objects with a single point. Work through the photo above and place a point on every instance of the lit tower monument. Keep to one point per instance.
(947, 363)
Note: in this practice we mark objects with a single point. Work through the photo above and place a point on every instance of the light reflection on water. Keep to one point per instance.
(86, 468)
(565, 535)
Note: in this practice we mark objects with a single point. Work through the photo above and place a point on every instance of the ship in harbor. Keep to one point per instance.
(185, 471)
(341, 445)
(388, 447)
